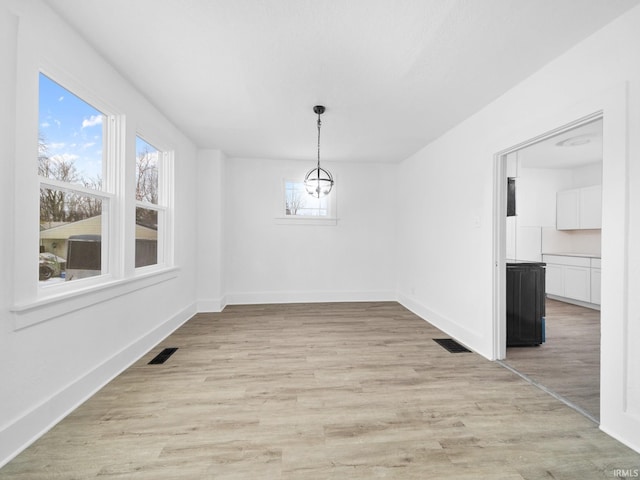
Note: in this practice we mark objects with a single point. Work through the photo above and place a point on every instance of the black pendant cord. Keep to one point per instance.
(319, 124)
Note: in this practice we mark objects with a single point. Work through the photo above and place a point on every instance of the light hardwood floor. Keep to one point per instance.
(333, 391)
(568, 363)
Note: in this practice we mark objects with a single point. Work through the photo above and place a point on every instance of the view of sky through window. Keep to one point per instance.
(70, 130)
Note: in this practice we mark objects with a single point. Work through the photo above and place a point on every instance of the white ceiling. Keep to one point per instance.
(244, 75)
(574, 148)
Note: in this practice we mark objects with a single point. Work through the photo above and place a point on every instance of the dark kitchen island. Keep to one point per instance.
(525, 303)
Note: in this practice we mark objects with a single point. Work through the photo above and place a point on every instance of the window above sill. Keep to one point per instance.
(306, 220)
(47, 308)
(297, 207)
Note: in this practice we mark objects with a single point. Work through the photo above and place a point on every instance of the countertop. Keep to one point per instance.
(564, 254)
(518, 263)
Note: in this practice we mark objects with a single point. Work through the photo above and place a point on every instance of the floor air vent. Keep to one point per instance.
(163, 356)
(451, 345)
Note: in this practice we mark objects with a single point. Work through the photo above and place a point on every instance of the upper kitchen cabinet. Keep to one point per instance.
(579, 208)
(567, 215)
(590, 207)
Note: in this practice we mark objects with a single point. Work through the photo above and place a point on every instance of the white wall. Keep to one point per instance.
(210, 282)
(265, 261)
(445, 233)
(47, 369)
(587, 175)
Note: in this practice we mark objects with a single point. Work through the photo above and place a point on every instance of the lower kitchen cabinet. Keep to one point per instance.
(577, 283)
(573, 278)
(595, 285)
(525, 303)
(555, 280)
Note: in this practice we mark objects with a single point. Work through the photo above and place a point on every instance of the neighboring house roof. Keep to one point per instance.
(49, 225)
(90, 226)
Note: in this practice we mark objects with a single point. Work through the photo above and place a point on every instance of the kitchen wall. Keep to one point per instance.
(533, 231)
(536, 209)
(446, 265)
(49, 368)
(266, 261)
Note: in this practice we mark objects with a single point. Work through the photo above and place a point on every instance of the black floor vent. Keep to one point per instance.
(163, 356)
(451, 345)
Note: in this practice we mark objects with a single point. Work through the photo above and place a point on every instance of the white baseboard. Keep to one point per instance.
(462, 335)
(253, 298)
(24, 431)
(211, 305)
(572, 301)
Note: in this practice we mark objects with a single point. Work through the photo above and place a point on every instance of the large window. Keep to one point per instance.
(82, 193)
(73, 198)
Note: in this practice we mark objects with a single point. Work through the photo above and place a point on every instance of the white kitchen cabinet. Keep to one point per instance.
(579, 208)
(577, 283)
(595, 285)
(554, 283)
(590, 207)
(567, 209)
(573, 277)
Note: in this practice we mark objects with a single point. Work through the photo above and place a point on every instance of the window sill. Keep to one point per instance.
(41, 310)
(300, 220)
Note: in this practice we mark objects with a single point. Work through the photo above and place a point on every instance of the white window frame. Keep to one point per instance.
(34, 304)
(108, 200)
(112, 156)
(331, 219)
(163, 207)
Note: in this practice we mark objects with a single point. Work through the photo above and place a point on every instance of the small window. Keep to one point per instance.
(299, 203)
(297, 207)
(150, 203)
(72, 196)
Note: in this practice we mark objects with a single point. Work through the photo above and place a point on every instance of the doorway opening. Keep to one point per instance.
(551, 193)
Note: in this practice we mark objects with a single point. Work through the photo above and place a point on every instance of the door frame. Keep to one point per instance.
(499, 228)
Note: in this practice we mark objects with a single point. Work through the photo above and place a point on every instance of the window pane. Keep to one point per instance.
(146, 172)
(70, 236)
(299, 202)
(146, 237)
(69, 137)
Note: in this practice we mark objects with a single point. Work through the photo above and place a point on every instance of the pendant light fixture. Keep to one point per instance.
(318, 181)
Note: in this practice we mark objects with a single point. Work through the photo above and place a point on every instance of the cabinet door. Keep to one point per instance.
(595, 285)
(554, 283)
(567, 209)
(590, 209)
(525, 305)
(577, 283)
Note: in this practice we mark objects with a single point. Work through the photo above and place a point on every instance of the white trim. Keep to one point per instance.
(211, 305)
(499, 324)
(499, 304)
(253, 298)
(53, 184)
(448, 326)
(306, 220)
(41, 310)
(22, 432)
(573, 301)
